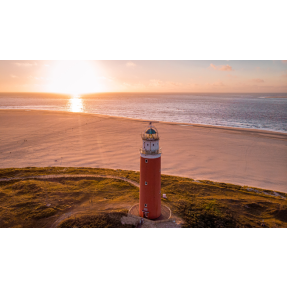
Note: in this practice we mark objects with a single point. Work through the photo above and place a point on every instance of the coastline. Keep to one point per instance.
(241, 156)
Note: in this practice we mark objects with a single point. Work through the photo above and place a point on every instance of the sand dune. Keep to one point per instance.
(239, 156)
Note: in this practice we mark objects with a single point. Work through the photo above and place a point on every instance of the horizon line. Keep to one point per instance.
(130, 92)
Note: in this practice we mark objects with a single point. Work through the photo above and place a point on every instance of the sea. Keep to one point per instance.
(266, 111)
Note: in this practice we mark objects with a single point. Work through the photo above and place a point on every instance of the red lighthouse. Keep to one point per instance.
(150, 171)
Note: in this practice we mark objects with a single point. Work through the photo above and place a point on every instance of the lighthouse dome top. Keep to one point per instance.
(150, 133)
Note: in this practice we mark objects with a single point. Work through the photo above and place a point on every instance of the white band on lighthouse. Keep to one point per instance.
(153, 156)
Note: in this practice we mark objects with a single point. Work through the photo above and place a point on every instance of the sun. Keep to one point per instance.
(73, 77)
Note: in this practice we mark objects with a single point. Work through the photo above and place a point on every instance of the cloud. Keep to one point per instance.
(37, 78)
(194, 85)
(156, 83)
(134, 86)
(217, 84)
(172, 83)
(258, 80)
(130, 64)
(213, 66)
(13, 76)
(160, 83)
(231, 76)
(25, 64)
(225, 68)
(222, 67)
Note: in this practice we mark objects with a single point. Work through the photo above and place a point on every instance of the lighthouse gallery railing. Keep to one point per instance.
(149, 136)
(150, 152)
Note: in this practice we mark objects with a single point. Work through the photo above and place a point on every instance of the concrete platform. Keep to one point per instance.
(165, 213)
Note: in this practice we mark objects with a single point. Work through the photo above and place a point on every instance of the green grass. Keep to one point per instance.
(39, 203)
(211, 204)
(102, 220)
(34, 171)
(205, 214)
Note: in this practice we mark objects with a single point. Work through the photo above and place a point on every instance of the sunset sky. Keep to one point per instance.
(76, 77)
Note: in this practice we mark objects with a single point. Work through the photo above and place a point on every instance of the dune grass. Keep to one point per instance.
(100, 202)
(38, 203)
(34, 171)
(100, 220)
(211, 204)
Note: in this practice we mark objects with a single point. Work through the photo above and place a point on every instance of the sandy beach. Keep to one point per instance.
(47, 138)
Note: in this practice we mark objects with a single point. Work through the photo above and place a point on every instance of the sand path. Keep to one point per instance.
(53, 176)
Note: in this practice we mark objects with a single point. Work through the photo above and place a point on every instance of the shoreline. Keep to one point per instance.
(239, 129)
(241, 156)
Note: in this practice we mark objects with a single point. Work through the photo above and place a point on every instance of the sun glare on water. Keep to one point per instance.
(76, 104)
(73, 77)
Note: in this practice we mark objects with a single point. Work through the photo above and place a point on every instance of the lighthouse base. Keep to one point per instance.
(165, 212)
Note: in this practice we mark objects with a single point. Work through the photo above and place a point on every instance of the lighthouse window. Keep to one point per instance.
(146, 160)
(145, 183)
(145, 205)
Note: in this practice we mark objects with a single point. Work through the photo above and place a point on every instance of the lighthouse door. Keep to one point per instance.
(145, 214)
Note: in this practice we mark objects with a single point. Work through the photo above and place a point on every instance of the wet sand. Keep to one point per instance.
(47, 138)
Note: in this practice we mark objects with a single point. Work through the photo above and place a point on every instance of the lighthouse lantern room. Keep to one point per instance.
(150, 174)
